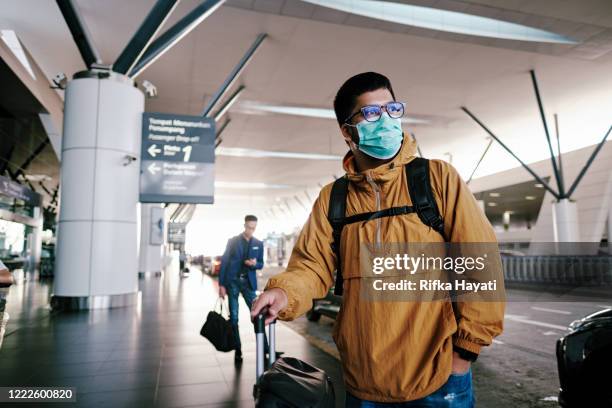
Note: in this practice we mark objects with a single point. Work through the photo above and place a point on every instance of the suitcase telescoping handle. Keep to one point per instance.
(260, 328)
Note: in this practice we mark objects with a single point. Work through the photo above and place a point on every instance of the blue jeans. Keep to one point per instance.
(455, 393)
(236, 287)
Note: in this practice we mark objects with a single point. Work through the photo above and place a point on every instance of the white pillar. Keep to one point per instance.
(565, 221)
(151, 239)
(97, 248)
(506, 220)
(37, 237)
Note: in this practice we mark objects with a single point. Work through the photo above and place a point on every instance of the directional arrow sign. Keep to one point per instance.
(178, 159)
(153, 168)
(153, 150)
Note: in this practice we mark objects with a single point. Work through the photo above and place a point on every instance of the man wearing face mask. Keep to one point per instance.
(411, 354)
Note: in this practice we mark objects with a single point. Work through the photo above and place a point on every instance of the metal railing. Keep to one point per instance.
(556, 269)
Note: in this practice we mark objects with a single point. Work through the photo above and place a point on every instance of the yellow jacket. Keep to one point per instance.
(391, 351)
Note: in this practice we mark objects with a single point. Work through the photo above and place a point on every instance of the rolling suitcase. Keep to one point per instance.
(288, 382)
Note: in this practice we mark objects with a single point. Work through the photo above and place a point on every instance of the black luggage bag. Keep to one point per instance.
(289, 382)
(218, 330)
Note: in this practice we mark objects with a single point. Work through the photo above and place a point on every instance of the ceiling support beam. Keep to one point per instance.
(218, 138)
(417, 144)
(45, 189)
(559, 149)
(233, 74)
(558, 178)
(33, 156)
(174, 34)
(228, 104)
(480, 161)
(54, 197)
(79, 32)
(588, 163)
(5, 162)
(300, 202)
(533, 173)
(144, 35)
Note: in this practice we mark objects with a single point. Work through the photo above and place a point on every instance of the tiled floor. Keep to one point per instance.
(149, 355)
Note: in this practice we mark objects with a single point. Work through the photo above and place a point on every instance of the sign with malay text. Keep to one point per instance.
(177, 159)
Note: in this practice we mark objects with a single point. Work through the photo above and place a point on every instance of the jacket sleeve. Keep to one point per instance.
(259, 263)
(478, 322)
(309, 274)
(224, 263)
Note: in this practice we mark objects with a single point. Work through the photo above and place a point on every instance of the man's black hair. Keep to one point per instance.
(347, 95)
(250, 217)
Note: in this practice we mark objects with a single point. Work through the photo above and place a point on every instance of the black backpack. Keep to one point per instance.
(424, 204)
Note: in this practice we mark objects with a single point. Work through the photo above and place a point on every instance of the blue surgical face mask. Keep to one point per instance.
(381, 139)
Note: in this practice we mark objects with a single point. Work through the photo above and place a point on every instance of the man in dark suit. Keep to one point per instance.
(243, 256)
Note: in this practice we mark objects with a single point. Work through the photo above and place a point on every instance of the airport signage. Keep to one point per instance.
(177, 159)
(176, 232)
(13, 189)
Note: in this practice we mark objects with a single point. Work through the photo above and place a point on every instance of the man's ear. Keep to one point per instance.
(346, 134)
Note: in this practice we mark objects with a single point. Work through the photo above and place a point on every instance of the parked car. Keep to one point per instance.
(206, 264)
(216, 266)
(328, 306)
(584, 358)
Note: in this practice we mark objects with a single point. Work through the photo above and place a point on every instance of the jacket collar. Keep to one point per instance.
(384, 172)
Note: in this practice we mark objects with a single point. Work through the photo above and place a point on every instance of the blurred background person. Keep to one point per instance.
(243, 256)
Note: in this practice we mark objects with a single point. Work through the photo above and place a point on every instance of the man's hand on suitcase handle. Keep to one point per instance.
(274, 300)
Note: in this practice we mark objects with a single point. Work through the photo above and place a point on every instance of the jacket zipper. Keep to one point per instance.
(376, 189)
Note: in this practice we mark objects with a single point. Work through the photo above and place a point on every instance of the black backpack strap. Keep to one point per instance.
(369, 216)
(336, 216)
(421, 194)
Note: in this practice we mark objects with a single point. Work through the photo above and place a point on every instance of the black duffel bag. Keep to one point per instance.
(218, 330)
(293, 383)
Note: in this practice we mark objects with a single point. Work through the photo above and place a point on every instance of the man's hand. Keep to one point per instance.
(460, 365)
(250, 262)
(274, 300)
(222, 292)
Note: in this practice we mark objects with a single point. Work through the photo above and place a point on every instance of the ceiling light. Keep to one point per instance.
(494, 194)
(538, 185)
(251, 107)
(492, 204)
(530, 198)
(240, 197)
(36, 177)
(242, 152)
(246, 185)
(443, 20)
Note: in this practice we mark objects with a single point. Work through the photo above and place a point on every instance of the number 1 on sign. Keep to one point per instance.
(187, 151)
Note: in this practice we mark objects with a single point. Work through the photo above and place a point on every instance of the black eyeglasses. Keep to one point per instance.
(372, 113)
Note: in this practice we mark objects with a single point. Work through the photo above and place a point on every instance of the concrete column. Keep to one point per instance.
(565, 221)
(506, 220)
(152, 224)
(97, 248)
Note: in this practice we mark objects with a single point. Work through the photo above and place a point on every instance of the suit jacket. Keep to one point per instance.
(233, 260)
